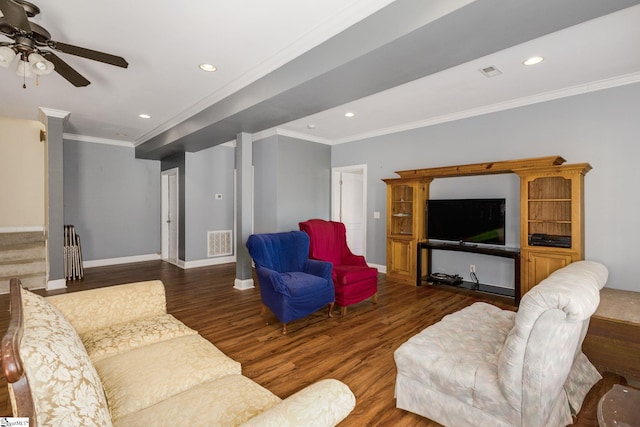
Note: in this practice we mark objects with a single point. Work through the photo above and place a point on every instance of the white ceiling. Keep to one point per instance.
(597, 54)
(247, 39)
(164, 42)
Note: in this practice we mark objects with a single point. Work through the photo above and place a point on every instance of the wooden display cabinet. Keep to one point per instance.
(405, 226)
(551, 205)
(552, 220)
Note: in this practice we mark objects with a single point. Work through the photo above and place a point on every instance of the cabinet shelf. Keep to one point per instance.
(552, 204)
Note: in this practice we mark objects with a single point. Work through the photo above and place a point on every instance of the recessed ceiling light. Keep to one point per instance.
(311, 126)
(349, 114)
(208, 67)
(144, 116)
(533, 60)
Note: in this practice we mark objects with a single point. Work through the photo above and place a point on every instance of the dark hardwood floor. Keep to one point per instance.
(356, 349)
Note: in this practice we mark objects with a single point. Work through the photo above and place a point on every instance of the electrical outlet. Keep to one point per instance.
(472, 268)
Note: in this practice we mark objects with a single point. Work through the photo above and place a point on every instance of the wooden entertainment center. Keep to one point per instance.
(551, 210)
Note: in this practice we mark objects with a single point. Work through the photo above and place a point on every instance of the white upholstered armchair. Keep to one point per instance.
(485, 366)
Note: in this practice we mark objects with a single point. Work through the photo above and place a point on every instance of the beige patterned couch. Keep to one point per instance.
(483, 366)
(113, 356)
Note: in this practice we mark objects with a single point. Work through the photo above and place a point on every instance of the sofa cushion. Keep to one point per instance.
(102, 307)
(144, 376)
(349, 274)
(302, 284)
(227, 401)
(65, 386)
(123, 337)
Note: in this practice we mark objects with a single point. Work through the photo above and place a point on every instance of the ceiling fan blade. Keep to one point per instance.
(65, 70)
(15, 15)
(88, 53)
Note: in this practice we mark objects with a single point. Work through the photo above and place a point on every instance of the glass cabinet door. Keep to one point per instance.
(402, 199)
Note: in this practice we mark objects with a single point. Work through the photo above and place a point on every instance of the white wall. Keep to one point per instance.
(601, 128)
(22, 167)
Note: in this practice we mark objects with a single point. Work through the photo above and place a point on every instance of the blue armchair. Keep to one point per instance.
(291, 285)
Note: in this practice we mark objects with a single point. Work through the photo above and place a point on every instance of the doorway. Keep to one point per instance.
(169, 215)
(349, 204)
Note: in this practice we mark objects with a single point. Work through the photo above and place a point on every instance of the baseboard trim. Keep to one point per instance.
(207, 262)
(56, 284)
(120, 260)
(381, 268)
(21, 229)
(243, 285)
(155, 257)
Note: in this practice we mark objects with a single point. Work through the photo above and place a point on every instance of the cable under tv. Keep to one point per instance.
(447, 279)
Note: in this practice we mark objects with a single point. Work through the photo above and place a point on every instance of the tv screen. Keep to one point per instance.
(466, 220)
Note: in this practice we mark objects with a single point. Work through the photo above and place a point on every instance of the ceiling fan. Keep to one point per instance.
(29, 39)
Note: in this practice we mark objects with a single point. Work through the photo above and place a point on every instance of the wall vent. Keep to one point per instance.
(220, 243)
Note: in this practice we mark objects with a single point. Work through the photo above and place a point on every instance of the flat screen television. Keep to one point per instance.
(466, 220)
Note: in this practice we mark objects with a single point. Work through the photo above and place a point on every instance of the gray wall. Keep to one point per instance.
(112, 199)
(600, 128)
(301, 189)
(265, 185)
(207, 173)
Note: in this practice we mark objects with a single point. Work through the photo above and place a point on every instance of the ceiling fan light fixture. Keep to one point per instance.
(39, 65)
(6, 56)
(24, 70)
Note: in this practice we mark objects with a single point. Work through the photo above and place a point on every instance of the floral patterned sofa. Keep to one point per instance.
(483, 366)
(114, 356)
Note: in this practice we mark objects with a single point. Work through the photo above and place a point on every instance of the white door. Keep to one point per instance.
(170, 215)
(349, 204)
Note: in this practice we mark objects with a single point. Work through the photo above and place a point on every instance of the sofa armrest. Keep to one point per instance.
(321, 404)
(104, 307)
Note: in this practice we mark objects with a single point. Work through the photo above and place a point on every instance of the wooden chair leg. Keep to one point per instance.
(331, 309)
(343, 310)
(374, 298)
(284, 329)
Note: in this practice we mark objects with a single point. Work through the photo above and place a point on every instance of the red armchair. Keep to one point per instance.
(353, 279)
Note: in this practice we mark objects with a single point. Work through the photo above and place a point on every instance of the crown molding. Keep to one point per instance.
(289, 133)
(50, 112)
(96, 140)
(501, 106)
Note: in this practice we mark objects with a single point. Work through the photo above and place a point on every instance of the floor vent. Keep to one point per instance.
(220, 243)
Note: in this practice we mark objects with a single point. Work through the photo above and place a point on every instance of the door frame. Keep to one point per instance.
(336, 173)
(165, 213)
